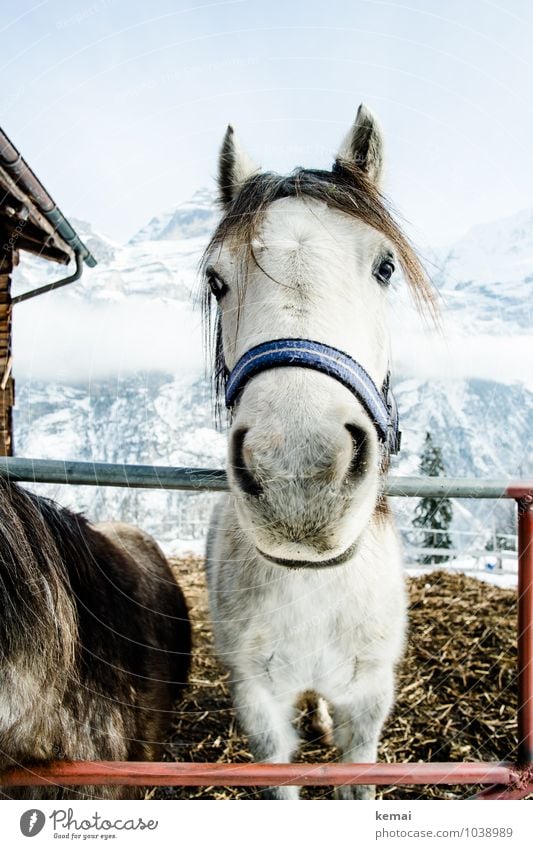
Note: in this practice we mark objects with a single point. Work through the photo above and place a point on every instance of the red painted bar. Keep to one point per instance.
(259, 775)
(525, 631)
(520, 489)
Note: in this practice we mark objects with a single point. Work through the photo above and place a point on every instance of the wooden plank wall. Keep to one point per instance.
(7, 384)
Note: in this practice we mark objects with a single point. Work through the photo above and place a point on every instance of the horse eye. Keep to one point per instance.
(216, 284)
(385, 271)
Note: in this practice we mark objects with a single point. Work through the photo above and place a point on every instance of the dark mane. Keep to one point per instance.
(32, 579)
(346, 189)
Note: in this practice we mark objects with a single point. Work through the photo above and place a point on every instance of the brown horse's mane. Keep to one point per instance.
(345, 188)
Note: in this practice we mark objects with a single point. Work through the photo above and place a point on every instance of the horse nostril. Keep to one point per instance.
(244, 477)
(359, 450)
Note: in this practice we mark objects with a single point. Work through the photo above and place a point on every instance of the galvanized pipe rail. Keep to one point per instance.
(504, 780)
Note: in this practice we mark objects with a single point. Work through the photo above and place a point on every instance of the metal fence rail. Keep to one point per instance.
(263, 774)
(503, 780)
(201, 480)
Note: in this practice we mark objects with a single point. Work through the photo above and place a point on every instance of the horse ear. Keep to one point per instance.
(234, 167)
(363, 146)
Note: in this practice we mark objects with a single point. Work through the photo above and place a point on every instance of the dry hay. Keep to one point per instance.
(456, 689)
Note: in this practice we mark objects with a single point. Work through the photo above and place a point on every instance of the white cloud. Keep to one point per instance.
(62, 339)
(58, 338)
(501, 358)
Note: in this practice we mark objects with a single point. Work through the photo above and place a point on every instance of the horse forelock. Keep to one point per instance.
(346, 189)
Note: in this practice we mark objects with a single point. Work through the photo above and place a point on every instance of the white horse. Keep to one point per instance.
(303, 561)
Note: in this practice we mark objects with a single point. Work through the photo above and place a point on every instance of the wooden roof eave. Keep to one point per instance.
(37, 197)
(26, 236)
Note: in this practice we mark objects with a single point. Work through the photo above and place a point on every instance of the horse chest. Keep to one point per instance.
(294, 630)
(305, 636)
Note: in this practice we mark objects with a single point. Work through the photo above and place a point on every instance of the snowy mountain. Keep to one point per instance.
(193, 218)
(124, 402)
(499, 252)
(147, 418)
(487, 276)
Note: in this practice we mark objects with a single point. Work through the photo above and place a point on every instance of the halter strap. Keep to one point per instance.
(379, 404)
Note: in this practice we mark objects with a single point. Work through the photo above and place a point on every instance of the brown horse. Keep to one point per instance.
(94, 641)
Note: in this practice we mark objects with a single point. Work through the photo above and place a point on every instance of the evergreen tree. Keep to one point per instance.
(433, 513)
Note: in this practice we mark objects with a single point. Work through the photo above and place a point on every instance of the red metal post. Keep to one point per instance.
(525, 630)
(519, 790)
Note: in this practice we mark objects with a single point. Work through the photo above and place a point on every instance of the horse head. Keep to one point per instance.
(299, 271)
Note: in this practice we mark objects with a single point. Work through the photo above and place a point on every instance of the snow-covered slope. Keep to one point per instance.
(483, 426)
(486, 278)
(147, 418)
(196, 217)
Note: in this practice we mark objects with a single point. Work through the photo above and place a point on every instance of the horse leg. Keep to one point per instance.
(267, 721)
(357, 726)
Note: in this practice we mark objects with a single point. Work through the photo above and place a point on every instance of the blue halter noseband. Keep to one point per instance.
(379, 404)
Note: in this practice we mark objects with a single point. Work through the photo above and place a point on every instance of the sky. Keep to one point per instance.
(120, 107)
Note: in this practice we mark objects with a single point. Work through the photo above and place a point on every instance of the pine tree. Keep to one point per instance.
(433, 513)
